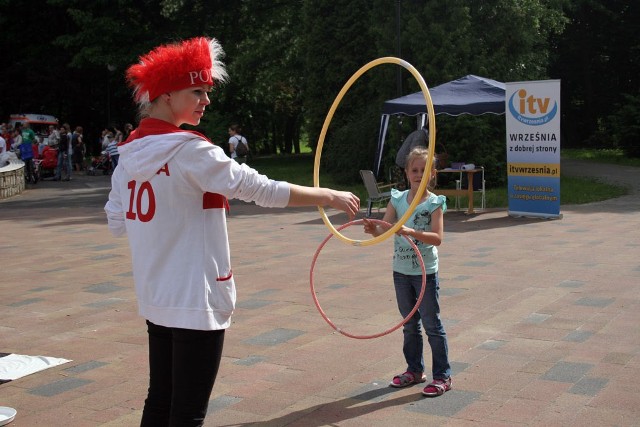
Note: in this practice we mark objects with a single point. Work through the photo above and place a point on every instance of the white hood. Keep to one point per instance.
(143, 158)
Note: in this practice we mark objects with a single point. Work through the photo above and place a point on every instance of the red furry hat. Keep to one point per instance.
(176, 66)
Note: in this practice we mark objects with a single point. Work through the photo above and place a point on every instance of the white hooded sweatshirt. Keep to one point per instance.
(169, 194)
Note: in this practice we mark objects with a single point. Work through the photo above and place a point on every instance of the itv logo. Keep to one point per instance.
(530, 110)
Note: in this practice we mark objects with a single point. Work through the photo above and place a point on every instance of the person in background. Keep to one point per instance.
(112, 150)
(235, 138)
(67, 129)
(26, 155)
(54, 137)
(104, 139)
(128, 128)
(119, 136)
(79, 149)
(28, 135)
(39, 145)
(6, 133)
(17, 139)
(169, 195)
(64, 162)
(426, 228)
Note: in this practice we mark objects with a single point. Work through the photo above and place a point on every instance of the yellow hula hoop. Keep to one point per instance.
(431, 149)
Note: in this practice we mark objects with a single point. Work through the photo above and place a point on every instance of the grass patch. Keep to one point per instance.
(298, 169)
(605, 155)
(573, 191)
(576, 191)
(294, 168)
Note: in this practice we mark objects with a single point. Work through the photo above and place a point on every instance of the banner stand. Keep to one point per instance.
(532, 114)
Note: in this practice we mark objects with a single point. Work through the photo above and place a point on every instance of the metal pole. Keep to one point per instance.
(398, 49)
(399, 69)
(108, 100)
(110, 69)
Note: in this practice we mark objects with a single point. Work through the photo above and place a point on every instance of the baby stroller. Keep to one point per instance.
(48, 163)
(100, 163)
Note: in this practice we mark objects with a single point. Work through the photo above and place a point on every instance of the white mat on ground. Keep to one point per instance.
(14, 366)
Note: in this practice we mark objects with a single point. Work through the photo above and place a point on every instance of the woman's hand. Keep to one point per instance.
(345, 201)
(314, 196)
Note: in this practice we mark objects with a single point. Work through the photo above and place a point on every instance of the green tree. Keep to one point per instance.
(458, 42)
(266, 82)
(100, 39)
(339, 38)
(597, 58)
(35, 74)
(624, 126)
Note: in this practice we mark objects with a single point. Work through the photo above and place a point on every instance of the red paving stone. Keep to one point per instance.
(518, 296)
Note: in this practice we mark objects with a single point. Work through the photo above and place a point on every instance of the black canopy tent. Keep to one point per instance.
(467, 95)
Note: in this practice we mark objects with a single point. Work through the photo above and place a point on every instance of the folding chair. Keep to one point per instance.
(373, 190)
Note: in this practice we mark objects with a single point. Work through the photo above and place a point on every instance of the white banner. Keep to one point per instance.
(533, 148)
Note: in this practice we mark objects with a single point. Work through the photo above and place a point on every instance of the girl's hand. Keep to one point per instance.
(405, 231)
(369, 227)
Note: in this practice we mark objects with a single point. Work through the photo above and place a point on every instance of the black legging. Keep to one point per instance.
(183, 365)
(30, 170)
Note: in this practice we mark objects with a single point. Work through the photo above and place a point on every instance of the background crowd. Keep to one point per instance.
(57, 152)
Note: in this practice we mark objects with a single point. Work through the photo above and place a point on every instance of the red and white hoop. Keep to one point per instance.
(388, 331)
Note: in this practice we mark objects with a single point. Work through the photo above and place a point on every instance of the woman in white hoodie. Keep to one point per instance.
(169, 196)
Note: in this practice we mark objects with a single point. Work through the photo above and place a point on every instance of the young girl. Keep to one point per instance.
(169, 195)
(426, 228)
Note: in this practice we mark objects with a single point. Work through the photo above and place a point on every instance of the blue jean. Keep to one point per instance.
(114, 162)
(183, 365)
(64, 161)
(407, 292)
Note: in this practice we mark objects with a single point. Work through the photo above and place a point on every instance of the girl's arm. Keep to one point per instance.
(433, 237)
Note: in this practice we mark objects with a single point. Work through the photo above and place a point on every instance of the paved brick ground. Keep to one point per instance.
(543, 318)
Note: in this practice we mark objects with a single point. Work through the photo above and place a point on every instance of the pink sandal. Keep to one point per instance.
(407, 379)
(437, 387)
